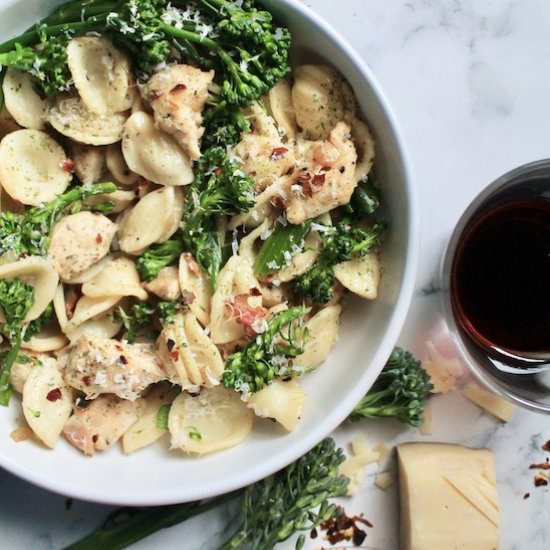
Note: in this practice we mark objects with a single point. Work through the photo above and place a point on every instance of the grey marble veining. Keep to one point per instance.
(469, 82)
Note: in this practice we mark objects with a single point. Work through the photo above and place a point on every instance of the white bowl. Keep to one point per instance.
(369, 330)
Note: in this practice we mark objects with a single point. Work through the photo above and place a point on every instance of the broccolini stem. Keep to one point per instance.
(5, 386)
(120, 532)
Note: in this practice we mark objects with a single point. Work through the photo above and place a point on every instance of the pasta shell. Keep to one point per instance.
(319, 99)
(119, 278)
(282, 109)
(100, 73)
(281, 400)
(31, 167)
(40, 274)
(48, 339)
(145, 430)
(323, 330)
(154, 154)
(193, 281)
(152, 220)
(201, 352)
(120, 198)
(361, 275)
(87, 308)
(118, 167)
(91, 272)
(47, 401)
(214, 419)
(27, 108)
(364, 145)
(88, 161)
(70, 118)
(102, 326)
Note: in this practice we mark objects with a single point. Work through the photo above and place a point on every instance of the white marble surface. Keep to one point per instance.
(469, 82)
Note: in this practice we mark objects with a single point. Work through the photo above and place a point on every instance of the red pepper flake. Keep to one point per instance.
(526, 496)
(175, 355)
(255, 292)
(343, 527)
(99, 238)
(178, 88)
(66, 165)
(546, 446)
(218, 171)
(54, 395)
(313, 185)
(123, 359)
(541, 466)
(278, 153)
(95, 437)
(87, 381)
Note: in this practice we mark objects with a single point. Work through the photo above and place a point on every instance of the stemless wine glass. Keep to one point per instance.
(524, 382)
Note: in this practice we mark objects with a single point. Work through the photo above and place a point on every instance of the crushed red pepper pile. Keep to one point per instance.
(343, 527)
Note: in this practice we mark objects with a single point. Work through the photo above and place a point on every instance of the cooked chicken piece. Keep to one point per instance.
(88, 162)
(177, 95)
(79, 241)
(97, 426)
(166, 284)
(324, 178)
(100, 365)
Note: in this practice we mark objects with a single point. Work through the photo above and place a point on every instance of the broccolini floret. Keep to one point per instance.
(159, 256)
(400, 391)
(339, 244)
(266, 357)
(219, 188)
(29, 233)
(293, 500)
(16, 300)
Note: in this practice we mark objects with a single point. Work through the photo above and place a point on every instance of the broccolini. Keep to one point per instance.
(339, 244)
(266, 357)
(400, 391)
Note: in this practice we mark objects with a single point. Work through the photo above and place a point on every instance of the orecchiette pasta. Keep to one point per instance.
(47, 401)
(281, 400)
(70, 117)
(100, 73)
(118, 278)
(153, 219)
(27, 108)
(154, 154)
(215, 419)
(32, 167)
(361, 275)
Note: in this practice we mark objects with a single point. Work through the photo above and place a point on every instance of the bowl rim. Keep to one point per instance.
(396, 320)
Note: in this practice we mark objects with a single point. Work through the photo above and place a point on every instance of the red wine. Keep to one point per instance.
(500, 280)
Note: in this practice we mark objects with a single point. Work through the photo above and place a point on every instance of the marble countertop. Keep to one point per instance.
(469, 82)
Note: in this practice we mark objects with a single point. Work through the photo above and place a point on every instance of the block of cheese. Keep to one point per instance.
(449, 498)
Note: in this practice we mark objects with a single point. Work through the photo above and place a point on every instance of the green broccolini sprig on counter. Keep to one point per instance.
(262, 359)
(339, 244)
(29, 233)
(16, 300)
(400, 391)
(297, 498)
